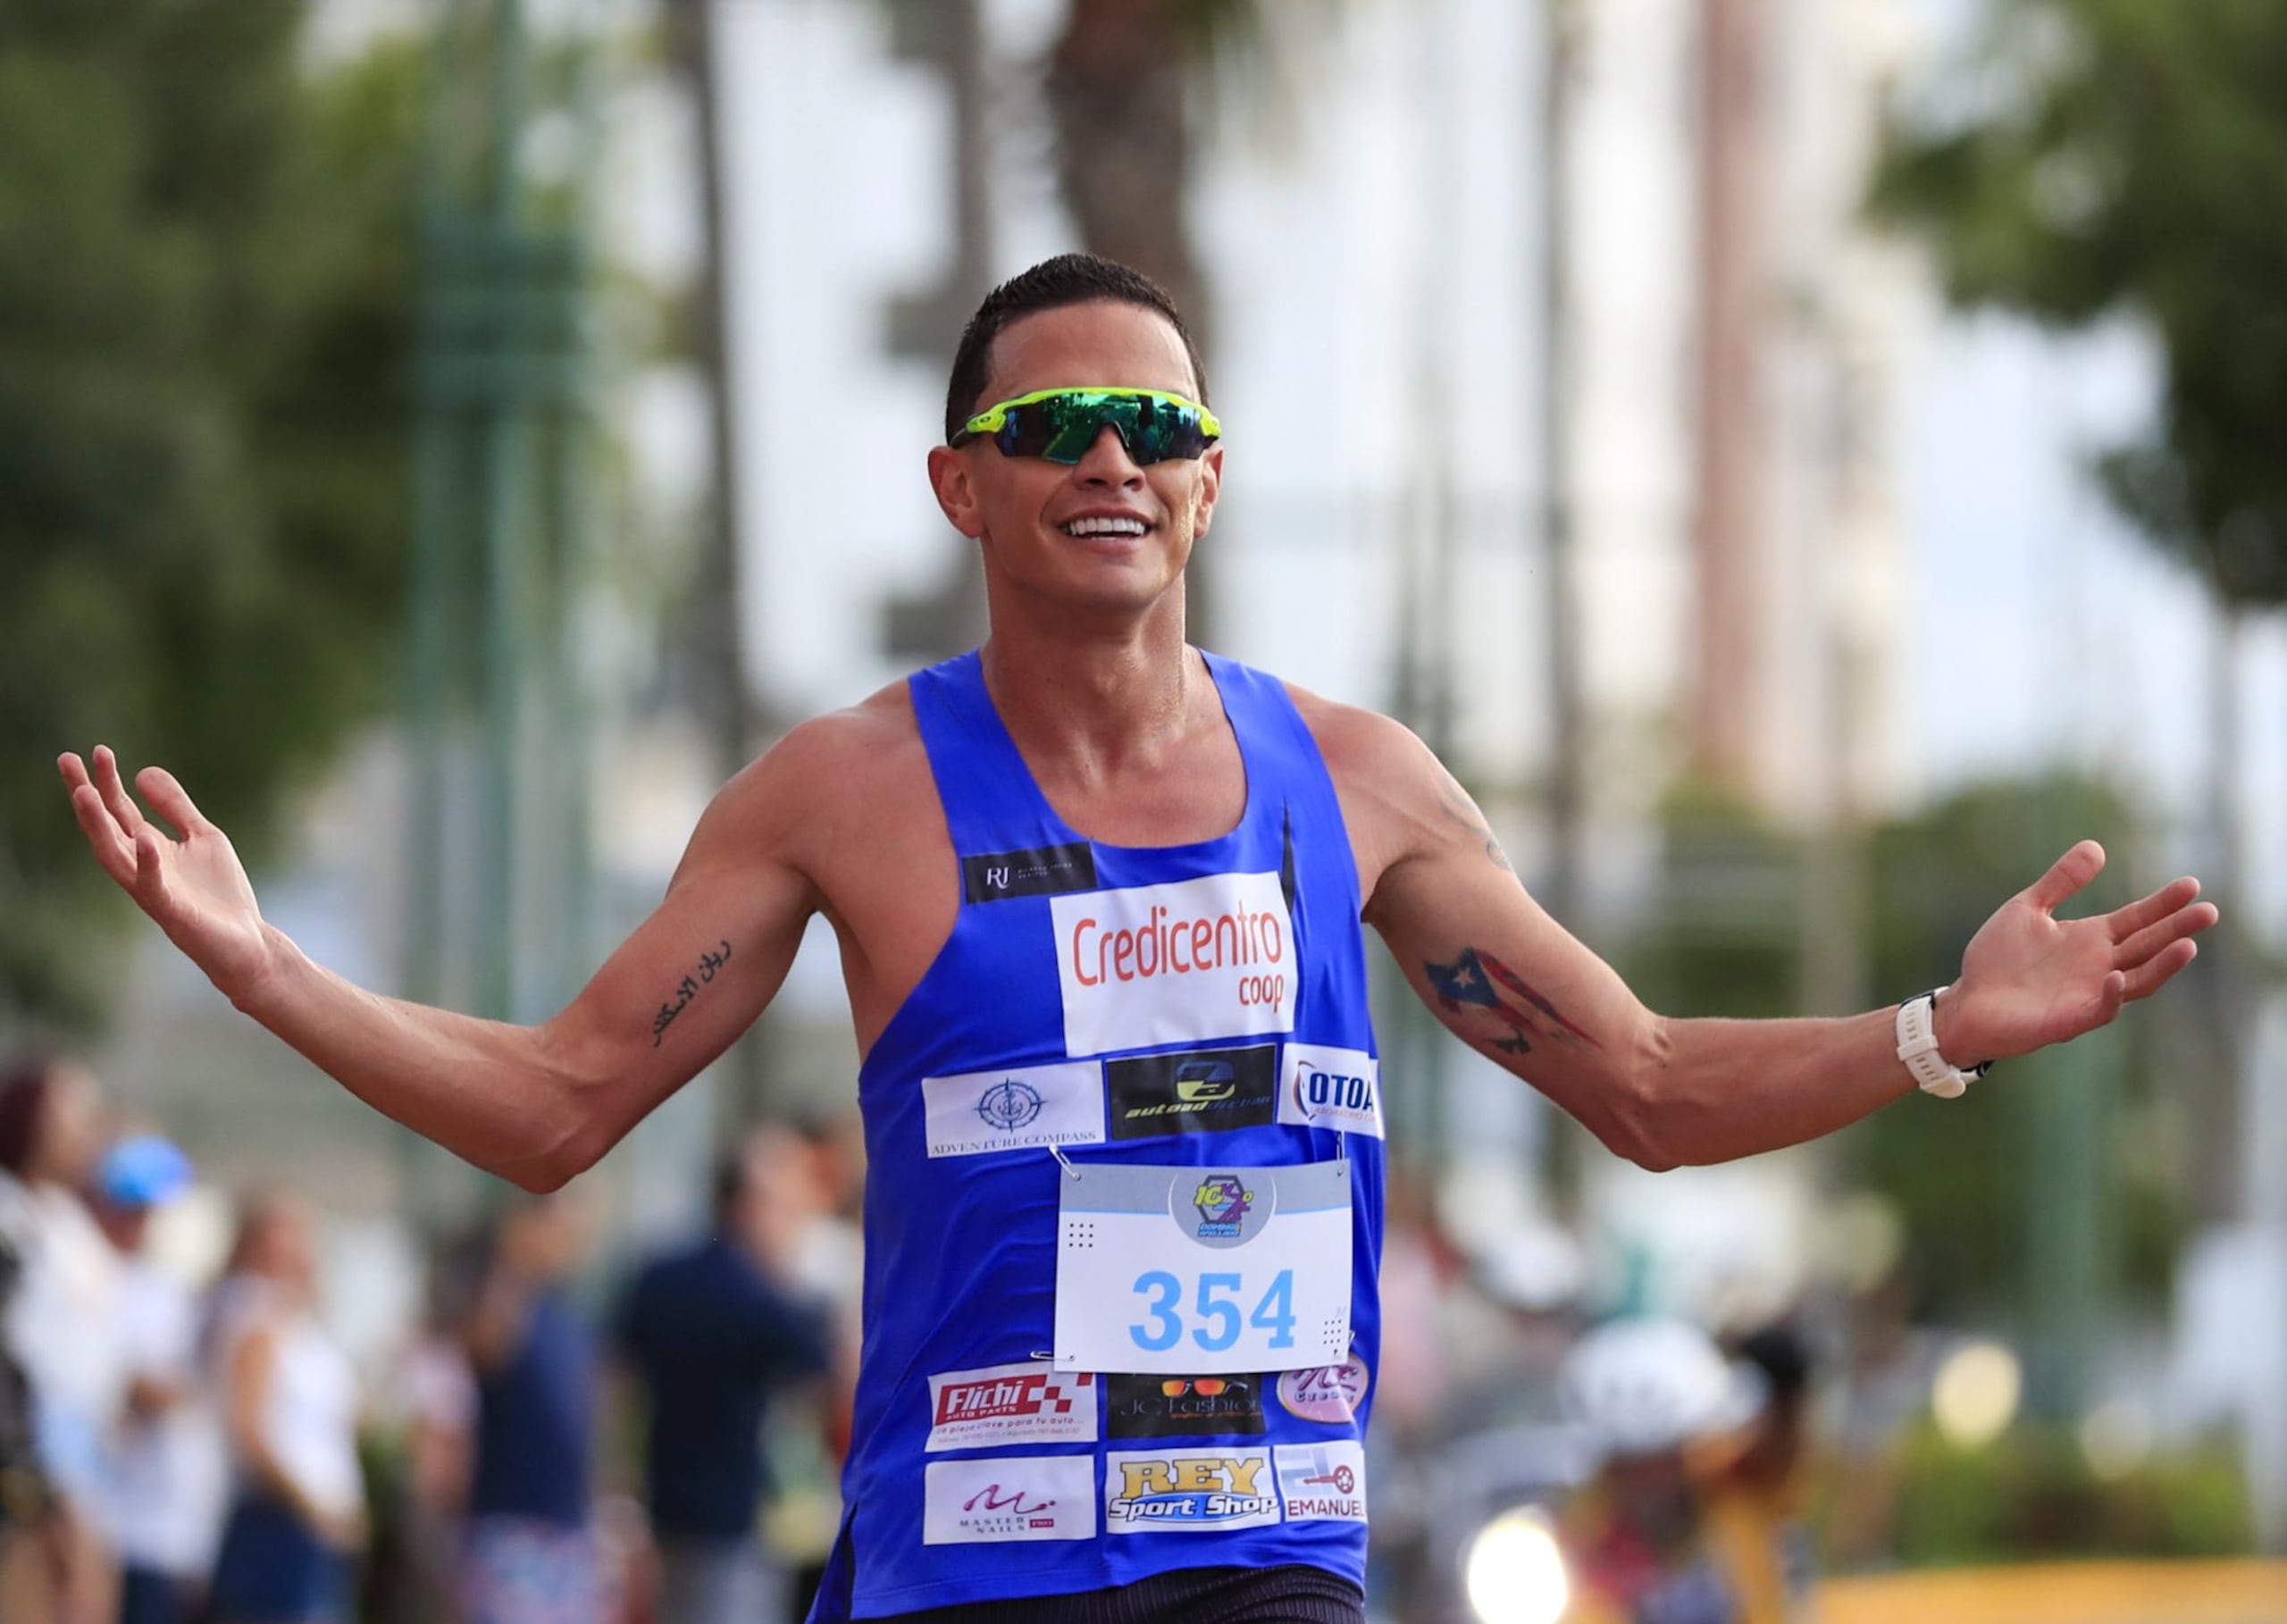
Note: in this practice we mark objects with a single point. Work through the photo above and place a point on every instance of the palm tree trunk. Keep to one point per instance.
(1118, 86)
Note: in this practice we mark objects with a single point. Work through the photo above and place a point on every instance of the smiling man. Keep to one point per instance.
(1099, 897)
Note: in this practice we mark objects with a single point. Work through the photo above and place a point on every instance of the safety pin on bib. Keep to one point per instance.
(1063, 1161)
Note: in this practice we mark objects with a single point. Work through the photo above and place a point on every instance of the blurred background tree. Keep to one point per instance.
(2111, 158)
(205, 319)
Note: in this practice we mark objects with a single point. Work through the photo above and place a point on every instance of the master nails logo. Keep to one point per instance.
(1189, 1488)
(1201, 1092)
(1023, 1497)
(1166, 964)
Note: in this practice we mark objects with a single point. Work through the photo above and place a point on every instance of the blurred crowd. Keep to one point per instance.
(555, 1443)
(561, 1440)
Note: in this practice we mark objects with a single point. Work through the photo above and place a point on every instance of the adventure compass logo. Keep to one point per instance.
(1009, 1105)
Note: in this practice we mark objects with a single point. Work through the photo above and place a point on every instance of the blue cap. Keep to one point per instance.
(142, 1171)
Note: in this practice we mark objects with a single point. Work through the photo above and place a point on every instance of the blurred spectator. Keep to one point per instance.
(62, 1330)
(168, 1472)
(531, 1555)
(1664, 1535)
(416, 1578)
(289, 1402)
(807, 1436)
(710, 1330)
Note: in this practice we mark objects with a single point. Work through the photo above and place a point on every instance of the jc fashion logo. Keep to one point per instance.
(1211, 958)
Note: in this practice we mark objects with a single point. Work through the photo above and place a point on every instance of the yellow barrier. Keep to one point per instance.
(2064, 1593)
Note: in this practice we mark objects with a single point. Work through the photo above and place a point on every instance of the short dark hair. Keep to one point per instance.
(1068, 278)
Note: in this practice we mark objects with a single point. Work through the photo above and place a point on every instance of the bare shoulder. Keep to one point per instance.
(1394, 793)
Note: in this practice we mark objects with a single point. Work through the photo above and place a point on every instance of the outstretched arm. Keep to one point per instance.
(532, 1104)
(1514, 984)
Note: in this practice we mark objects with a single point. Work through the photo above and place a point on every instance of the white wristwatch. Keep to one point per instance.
(1917, 1046)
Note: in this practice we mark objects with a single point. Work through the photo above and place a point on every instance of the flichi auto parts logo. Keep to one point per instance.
(1222, 1200)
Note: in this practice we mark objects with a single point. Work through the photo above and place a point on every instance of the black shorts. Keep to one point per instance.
(1188, 1595)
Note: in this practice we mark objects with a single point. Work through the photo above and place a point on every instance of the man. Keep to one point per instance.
(1097, 889)
(711, 1330)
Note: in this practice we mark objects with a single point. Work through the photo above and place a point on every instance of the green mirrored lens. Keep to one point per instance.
(1060, 427)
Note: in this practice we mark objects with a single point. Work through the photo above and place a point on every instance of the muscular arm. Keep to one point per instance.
(532, 1104)
(1512, 983)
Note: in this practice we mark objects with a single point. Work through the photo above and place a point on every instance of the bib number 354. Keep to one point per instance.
(1213, 1304)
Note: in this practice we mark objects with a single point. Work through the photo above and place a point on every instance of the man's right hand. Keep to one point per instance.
(192, 886)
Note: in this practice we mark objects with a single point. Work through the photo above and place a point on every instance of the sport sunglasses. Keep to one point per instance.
(1061, 424)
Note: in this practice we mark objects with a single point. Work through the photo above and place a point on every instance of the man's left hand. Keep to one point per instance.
(2030, 979)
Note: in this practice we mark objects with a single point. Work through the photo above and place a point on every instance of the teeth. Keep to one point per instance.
(1105, 527)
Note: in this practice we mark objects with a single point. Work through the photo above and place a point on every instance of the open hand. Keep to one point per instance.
(2030, 979)
(194, 887)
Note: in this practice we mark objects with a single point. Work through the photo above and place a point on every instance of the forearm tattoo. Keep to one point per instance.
(710, 965)
(1478, 981)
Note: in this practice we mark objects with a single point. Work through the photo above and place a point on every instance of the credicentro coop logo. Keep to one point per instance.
(1208, 957)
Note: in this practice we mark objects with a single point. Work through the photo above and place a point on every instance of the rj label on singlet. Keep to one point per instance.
(1202, 1271)
(1196, 959)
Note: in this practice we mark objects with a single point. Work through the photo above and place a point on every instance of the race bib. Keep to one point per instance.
(1202, 1271)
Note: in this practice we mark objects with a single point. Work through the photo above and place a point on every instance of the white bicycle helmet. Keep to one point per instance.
(1645, 1387)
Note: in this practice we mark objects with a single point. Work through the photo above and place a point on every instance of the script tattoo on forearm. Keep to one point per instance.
(710, 965)
(1454, 801)
(1477, 980)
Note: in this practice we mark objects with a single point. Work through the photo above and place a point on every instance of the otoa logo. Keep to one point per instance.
(1009, 1104)
(1222, 1202)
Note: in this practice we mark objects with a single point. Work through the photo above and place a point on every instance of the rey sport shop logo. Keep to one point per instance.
(1213, 956)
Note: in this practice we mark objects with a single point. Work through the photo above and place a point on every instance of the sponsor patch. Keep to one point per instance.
(1331, 1088)
(972, 1503)
(1322, 1482)
(1211, 958)
(1018, 1403)
(1181, 1406)
(1201, 1092)
(1173, 1489)
(1332, 1394)
(1045, 871)
(1015, 1110)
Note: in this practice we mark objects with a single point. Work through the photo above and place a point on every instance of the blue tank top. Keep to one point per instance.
(1047, 1035)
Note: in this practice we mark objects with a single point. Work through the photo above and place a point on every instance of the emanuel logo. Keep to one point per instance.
(1181, 1406)
(1028, 1497)
(1189, 1488)
(1041, 872)
(1010, 1110)
(1020, 1403)
(1166, 964)
(1323, 1482)
(1199, 1093)
(1331, 1394)
(1331, 1088)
